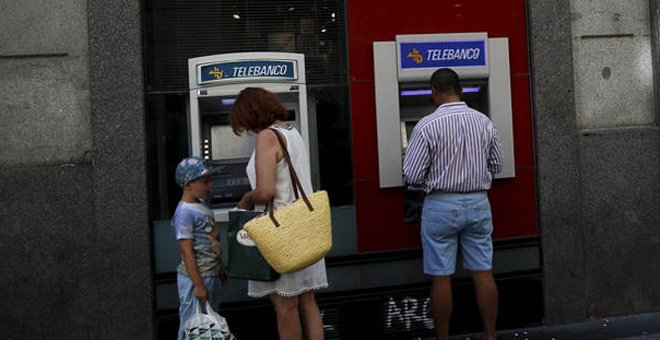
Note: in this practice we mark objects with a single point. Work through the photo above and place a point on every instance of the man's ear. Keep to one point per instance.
(435, 95)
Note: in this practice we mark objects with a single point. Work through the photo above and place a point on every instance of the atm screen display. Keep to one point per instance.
(218, 139)
(223, 148)
(226, 145)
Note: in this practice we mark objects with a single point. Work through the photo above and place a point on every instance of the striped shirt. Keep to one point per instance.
(454, 149)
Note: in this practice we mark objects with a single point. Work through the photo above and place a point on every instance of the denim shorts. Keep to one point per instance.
(452, 218)
(187, 298)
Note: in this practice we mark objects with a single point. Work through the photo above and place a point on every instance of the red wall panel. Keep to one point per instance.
(380, 211)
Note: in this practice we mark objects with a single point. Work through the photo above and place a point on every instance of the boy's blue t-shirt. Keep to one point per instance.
(194, 221)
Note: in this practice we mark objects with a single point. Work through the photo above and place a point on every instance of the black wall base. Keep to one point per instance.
(401, 312)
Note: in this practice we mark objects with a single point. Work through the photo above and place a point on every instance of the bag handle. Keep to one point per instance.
(292, 171)
(198, 306)
(208, 307)
(298, 189)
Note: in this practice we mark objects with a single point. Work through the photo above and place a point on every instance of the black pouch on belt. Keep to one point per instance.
(413, 202)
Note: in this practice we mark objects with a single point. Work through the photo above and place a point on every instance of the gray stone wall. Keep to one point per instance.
(44, 90)
(120, 168)
(75, 243)
(612, 58)
(598, 155)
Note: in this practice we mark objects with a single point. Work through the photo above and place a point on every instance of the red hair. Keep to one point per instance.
(255, 109)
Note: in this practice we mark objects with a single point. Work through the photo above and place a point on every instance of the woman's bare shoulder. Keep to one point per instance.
(267, 135)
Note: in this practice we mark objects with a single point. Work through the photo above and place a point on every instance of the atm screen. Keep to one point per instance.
(218, 139)
(224, 149)
(226, 145)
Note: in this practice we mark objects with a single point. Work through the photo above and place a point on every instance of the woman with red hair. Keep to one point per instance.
(260, 111)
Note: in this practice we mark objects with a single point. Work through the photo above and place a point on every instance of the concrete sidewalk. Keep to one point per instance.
(630, 327)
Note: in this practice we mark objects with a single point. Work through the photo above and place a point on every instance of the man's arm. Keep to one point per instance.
(416, 162)
(495, 155)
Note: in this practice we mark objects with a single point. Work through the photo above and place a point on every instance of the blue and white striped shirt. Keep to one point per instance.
(454, 149)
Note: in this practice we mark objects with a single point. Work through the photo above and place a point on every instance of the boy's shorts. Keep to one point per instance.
(450, 218)
(187, 298)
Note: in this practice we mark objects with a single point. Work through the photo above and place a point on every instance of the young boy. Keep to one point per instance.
(201, 269)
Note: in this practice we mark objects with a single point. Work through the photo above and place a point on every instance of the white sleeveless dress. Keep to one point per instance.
(313, 277)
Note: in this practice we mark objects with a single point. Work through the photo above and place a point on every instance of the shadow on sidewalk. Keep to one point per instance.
(630, 327)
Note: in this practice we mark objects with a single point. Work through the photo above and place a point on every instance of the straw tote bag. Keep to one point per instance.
(298, 235)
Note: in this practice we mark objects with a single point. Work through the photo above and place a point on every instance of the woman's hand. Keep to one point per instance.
(224, 276)
(246, 202)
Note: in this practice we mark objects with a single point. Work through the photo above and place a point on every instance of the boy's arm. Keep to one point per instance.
(186, 248)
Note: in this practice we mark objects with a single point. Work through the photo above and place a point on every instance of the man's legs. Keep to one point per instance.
(441, 302)
(477, 250)
(441, 223)
(486, 292)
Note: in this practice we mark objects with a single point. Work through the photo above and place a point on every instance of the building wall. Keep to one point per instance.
(120, 168)
(75, 241)
(598, 155)
(75, 236)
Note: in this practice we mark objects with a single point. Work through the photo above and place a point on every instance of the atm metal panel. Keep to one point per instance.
(390, 163)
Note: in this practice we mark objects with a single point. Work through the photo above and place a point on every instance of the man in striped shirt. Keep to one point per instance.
(453, 154)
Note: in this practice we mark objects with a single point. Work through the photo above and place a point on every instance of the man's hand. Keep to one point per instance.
(201, 293)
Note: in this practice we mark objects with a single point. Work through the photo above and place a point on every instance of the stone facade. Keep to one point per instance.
(76, 243)
(598, 154)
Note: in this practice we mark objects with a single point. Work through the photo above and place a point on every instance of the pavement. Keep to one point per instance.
(629, 327)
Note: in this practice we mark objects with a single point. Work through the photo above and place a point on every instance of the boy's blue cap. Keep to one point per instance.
(192, 168)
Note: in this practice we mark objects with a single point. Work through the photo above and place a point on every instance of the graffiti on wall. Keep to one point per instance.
(407, 313)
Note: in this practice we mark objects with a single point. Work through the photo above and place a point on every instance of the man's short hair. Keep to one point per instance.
(445, 80)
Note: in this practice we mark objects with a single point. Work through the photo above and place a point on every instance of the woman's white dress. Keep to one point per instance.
(314, 276)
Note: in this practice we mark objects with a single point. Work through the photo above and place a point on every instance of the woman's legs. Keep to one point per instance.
(288, 320)
(311, 316)
(288, 310)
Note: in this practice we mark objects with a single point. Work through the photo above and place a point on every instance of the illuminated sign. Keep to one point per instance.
(437, 54)
(246, 70)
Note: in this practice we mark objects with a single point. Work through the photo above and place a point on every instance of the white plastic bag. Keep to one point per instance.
(207, 326)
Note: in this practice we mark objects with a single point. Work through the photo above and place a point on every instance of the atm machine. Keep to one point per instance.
(402, 73)
(215, 81)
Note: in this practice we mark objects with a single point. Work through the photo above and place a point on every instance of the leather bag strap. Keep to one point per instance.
(298, 189)
(292, 172)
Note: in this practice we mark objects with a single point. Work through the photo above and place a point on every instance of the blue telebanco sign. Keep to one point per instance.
(248, 70)
(438, 54)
